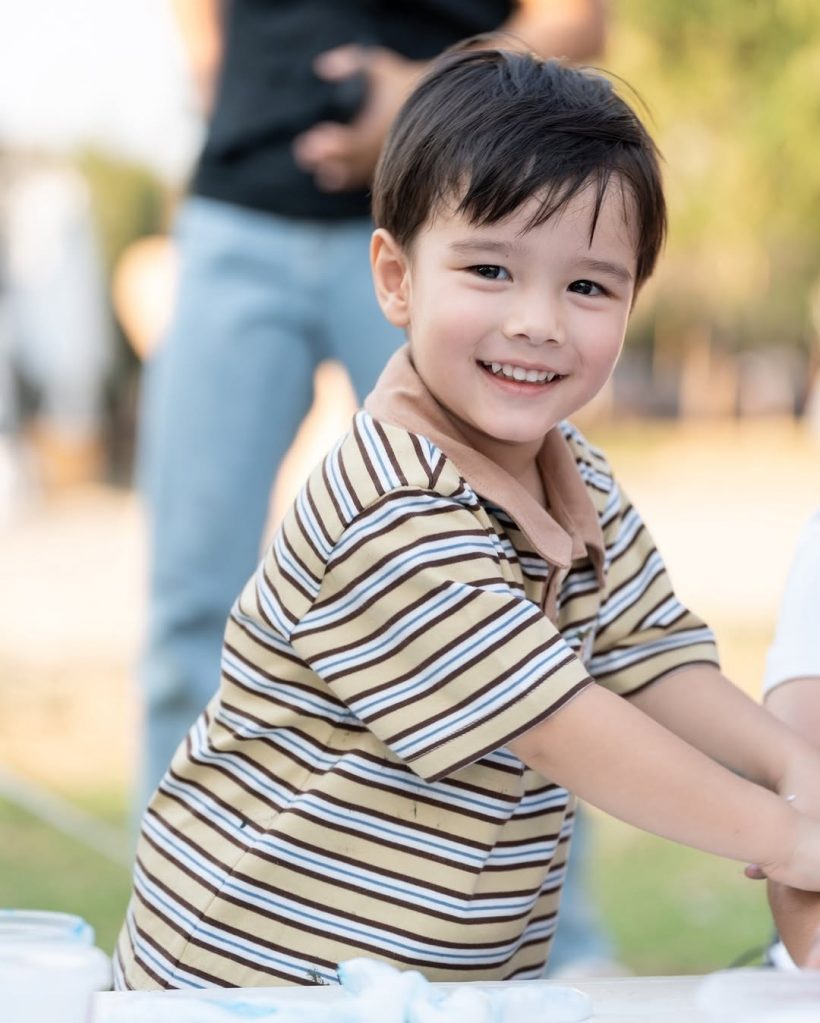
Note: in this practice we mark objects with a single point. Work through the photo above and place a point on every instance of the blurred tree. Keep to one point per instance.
(130, 202)
(733, 90)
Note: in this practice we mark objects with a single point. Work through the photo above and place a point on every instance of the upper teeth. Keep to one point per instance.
(532, 376)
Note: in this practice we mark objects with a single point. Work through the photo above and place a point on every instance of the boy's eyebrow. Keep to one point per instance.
(469, 246)
(603, 266)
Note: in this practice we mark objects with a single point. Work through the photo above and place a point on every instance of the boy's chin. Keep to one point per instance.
(504, 440)
(522, 438)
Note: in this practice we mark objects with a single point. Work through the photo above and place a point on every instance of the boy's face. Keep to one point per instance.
(513, 330)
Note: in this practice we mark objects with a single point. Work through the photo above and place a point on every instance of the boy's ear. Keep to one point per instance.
(391, 278)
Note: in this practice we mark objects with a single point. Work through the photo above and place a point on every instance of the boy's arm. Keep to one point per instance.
(782, 738)
(702, 707)
(705, 709)
(619, 759)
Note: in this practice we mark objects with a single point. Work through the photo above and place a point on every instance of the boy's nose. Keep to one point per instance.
(535, 321)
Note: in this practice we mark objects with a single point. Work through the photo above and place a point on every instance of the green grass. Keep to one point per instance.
(670, 910)
(41, 868)
(674, 910)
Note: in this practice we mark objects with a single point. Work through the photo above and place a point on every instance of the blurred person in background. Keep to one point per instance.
(274, 278)
(10, 473)
(791, 691)
(56, 334)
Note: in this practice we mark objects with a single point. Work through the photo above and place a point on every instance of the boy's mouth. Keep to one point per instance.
(519, 374)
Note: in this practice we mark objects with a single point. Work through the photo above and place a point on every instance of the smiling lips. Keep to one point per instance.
(520, 374)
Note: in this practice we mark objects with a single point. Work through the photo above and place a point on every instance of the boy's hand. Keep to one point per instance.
(802, 777)
(342, 157)
(798, 867)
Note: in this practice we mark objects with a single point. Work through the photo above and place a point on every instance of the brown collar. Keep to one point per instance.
(572, 531)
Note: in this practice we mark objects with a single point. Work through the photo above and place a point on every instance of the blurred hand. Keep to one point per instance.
(342, 157)
(797, 919)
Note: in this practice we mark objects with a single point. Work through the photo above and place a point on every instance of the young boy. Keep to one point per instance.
(463, 617)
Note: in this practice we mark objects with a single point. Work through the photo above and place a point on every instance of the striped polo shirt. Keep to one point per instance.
(349, 790)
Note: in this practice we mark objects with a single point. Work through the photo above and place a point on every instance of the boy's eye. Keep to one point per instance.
(490, 272)
(586, 288)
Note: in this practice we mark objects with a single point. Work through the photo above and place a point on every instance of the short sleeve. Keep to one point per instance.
(643, 631)
(795, 652)
(418, 628)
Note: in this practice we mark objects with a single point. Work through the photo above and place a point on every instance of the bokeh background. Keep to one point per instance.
(712, 419)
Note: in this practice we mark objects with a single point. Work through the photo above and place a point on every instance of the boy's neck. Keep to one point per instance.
(520, 462)
(532, 481)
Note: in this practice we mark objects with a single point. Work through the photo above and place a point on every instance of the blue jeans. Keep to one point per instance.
(581, 938)
(261, 301)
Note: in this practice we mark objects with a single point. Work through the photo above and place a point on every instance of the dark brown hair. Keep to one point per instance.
(488, 129)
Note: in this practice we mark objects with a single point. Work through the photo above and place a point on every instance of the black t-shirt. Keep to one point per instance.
(267, 91)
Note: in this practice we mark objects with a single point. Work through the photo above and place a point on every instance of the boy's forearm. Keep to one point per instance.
(620, 760)
(704, 708)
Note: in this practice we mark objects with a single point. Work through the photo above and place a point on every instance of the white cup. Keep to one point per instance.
(49, 967)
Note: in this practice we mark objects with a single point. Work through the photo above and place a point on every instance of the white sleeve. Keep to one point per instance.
(795, 652)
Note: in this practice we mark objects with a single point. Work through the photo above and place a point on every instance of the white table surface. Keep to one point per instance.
(618, 1000)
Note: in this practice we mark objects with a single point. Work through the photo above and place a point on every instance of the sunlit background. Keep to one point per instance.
(712, 420)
